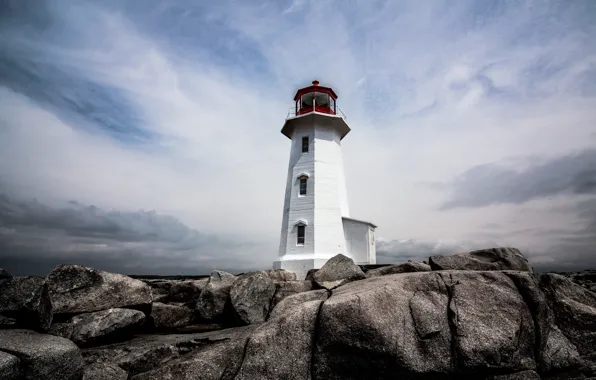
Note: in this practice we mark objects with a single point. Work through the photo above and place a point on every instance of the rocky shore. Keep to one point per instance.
(475, 315)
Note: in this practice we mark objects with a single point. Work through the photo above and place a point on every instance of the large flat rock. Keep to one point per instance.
(100, 326)
(152, 351)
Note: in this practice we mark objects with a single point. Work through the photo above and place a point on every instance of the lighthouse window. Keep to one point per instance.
(322, 100)
(300, 235)
(303, 186)
(307, 100)
(305, 144)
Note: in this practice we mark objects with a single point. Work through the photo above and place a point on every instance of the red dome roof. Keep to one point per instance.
(315, 87)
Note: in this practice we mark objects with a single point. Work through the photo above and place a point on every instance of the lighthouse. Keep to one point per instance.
(316, 223)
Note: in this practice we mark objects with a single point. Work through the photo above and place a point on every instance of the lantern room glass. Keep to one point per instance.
(315, 101)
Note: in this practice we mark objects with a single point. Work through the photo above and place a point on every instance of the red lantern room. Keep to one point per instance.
(316, 98)
(315, 106)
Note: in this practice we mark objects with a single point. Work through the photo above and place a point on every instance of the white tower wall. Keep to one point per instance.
(322, 208)
(330, 192)
(297, 207)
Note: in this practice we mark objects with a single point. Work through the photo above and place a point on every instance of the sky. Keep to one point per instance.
(143, 136)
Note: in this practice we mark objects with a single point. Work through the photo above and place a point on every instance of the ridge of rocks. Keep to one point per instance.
(483, 314)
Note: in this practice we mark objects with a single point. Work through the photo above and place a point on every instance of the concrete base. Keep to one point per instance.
(300, 267)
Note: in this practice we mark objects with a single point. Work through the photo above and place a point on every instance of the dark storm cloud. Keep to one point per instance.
(35, 237)
(491, 184)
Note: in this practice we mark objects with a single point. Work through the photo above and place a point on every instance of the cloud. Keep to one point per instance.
(135, 242)
(177, 106)
(576, 249)
(493, 183)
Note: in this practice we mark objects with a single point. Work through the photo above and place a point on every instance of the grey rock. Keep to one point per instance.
(492, 325)
(251, 297)
(99, 326)
(280, 275)
(43, 356)
(187, 290)
(288, 288)
(282, 347)
(410, 266)
(150, 352)
(4, 274)
(574, 309)
(528, 285)
(310, 275)
(104, 371)
(339, 267)
(161, 297)
(424, 324)
(77, 289)
(25, 302)
(9, 367)
(560, 355)
(482, 260)
(134, 356)
(294, 301)
(330, 285)
(218, 361)
(385, 327)
(159, 288)
(215, 296)
(553, 351)
(170, 316)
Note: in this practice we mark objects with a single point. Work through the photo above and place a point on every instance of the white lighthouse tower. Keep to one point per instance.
(316, 222)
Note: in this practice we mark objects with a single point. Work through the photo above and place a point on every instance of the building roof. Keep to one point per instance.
(315, 87)
(359, 221)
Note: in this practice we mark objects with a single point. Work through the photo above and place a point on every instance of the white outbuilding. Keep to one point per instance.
(316, 222)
